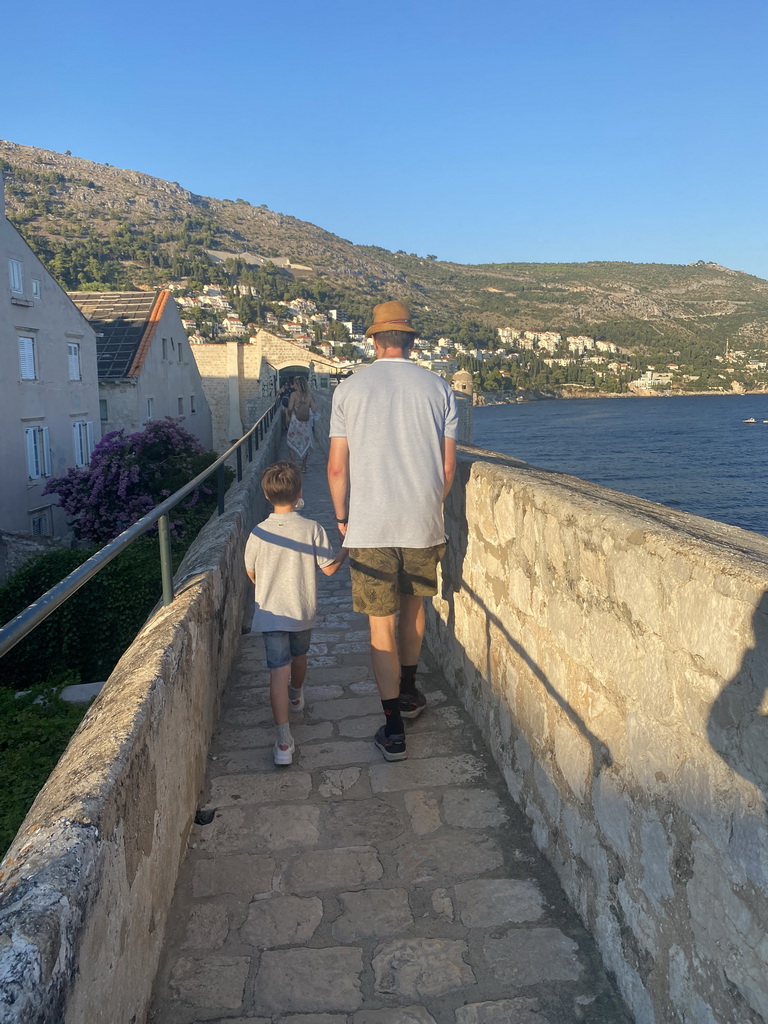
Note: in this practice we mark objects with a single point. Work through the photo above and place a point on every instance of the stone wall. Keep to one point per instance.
(614, 654)
(86, 885)
(18, 548)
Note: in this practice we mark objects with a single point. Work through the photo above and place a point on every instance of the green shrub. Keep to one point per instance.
(90, 631)
(35, 728)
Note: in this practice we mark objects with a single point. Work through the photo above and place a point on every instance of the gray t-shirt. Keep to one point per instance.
(394, 415)
(284, 553)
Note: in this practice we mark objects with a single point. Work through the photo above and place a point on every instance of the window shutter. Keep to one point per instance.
(78, 443)
(73, 355)
(27, 358)
(88, 440)
(33, 461)
(46, 459)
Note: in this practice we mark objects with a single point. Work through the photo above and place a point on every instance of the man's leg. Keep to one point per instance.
(410, 637)
(390, 739)
(386, 665)
(411, 631)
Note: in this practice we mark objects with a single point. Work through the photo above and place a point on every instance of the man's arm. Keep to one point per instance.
(329, 570)
(338, 479)
(449, 464)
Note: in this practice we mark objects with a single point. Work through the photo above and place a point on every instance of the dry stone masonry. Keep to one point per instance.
(614, 655)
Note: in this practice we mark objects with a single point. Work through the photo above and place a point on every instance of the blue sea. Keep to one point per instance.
(693, 453)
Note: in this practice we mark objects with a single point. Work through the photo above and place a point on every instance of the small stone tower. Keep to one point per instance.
(462, 385)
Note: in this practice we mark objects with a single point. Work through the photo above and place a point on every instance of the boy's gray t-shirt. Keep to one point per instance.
(284, 553)
(394, 415)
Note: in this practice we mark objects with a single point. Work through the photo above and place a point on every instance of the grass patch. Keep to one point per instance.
(35, 728)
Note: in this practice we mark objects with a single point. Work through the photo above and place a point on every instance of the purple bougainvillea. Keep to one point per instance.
(128, 475)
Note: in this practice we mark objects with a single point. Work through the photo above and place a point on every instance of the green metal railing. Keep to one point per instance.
(25, 621)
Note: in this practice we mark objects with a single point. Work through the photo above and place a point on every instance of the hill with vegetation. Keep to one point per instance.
(100, 227)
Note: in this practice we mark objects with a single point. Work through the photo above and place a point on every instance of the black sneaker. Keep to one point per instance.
(412, 704)
(392, 747)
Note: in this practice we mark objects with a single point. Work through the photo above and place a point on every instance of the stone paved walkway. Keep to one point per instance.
(348, 890)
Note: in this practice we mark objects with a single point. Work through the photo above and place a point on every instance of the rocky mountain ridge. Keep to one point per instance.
(57, 198)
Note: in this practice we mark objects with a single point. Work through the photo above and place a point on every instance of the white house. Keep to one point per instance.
(145, 365)
(49, 395)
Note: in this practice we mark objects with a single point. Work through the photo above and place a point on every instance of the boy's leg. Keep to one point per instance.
(277, 649)
(278, 693)
(298, 671)
(299, 643)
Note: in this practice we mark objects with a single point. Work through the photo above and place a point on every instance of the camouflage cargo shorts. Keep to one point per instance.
(381, 575)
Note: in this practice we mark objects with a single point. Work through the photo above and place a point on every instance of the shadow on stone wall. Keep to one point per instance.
(738, 720)
(454, 581)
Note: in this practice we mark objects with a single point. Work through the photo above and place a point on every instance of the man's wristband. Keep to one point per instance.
(344, 521)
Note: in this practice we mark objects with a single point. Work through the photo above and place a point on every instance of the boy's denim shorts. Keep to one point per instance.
(281, 646)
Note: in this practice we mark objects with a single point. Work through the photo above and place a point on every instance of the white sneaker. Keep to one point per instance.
(297, 703)
(283, 755)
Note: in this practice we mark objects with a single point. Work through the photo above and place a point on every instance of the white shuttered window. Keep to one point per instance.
(16, 276)
(27, 362)
(82, 433)
(73, 358)
(38, 452)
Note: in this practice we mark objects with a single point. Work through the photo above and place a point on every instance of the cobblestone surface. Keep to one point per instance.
(347, 890)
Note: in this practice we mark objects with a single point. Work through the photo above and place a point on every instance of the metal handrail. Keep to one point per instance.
(39, 610)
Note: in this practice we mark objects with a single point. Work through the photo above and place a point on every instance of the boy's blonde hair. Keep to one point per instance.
(281, 483)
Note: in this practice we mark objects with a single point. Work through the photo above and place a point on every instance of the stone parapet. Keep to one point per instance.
(86, 885)
(615, 655)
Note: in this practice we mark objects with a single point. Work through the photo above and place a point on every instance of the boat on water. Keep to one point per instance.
(751, 420)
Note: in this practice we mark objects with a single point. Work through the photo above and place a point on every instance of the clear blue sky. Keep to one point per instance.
(477, 130)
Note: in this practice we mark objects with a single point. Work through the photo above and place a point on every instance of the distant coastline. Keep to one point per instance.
(533, 395)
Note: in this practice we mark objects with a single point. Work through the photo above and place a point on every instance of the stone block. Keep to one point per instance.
(338, 752)
(360, 727)
(395, 1015)
(264, 829)
(276, 787)
(441, 904)
(344, 707)
(281, 921)
(328, 869)
(309, 980)
(473, 808)
(361, 822)
(489, 902)
(423, 810)
(446, 857)
(207, 926)
(210, 982)
(655, 861)
(612, 810)
(314, 1018)
(372, 913)
(344, 782)
(502, 1011)
(573, 755)
(421, 968)
(243, 873)
(435, 771)
(532, 955)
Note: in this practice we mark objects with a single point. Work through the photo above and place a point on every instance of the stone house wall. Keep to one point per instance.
(614, 654)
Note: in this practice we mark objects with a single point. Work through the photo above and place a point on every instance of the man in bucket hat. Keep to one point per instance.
(391, 464)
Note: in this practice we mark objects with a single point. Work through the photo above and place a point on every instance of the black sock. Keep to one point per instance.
(408, 678)
(393, 723)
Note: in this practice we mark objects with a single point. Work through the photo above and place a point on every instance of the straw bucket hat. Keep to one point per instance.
(391, 316)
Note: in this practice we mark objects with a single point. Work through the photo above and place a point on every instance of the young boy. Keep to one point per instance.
(282, 556)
